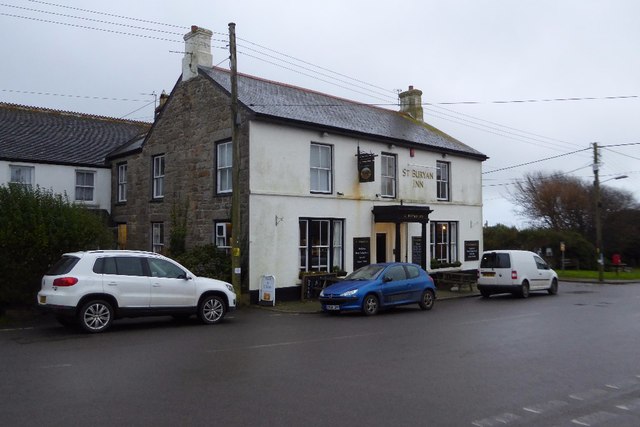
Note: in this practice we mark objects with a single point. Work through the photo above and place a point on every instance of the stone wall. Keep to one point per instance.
(196, 117)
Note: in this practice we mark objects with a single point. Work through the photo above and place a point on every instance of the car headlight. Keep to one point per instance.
(229, 287)
(349, 293)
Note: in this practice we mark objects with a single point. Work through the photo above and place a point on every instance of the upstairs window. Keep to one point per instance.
(388, 175)
(158, 176)
(22, 175)
(122, 182)
(85, 185)
(443, 180)
(321, 168)
(224, 167)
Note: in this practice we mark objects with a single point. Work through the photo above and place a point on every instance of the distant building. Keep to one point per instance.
(62, 151)
(325, 183)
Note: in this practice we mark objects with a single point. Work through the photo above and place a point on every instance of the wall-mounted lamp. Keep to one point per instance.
(377, 196)
(279, 219)
(444, 155)
(324, 134)
(339, 193)
(392, 146)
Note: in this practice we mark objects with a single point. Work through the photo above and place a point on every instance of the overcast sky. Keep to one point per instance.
(454, 51)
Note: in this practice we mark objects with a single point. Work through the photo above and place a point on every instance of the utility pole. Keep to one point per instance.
(596, 190)
(236, 271)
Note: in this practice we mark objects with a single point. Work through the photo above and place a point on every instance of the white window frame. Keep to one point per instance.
(158, 176)
(443, 180)
(122, 182)
(157, 237)
(389, 175)
(445, 249)
(321, 168)
(222, 237)
(82, 189)
(330, 245)
(23, 175)
(224, 167)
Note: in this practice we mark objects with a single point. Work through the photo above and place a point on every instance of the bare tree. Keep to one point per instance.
(556, 201)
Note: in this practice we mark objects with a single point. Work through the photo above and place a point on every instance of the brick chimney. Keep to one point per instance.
(411, 103)
(197, 48)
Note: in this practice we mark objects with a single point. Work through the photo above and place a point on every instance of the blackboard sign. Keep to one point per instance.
(416, 250)
(361, 252)
(471, 250)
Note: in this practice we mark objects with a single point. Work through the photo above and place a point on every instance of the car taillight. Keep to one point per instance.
(514, 275)
(65, 281)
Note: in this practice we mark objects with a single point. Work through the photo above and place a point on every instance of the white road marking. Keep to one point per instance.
(500, 319)
(501, 419)
(595, 418)
(16, 329)
(543, 407)
(630, 406)
(597, 392)
(287, 343)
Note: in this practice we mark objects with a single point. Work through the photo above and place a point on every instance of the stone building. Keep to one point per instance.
(325, 183)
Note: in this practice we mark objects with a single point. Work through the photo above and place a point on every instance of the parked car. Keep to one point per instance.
(516, 272)
(93, 288)
(378, 286)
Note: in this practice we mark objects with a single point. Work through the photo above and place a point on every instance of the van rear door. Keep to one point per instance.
(495, 268)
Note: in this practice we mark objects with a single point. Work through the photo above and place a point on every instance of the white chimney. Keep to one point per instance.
(411, 103)
(197, 48)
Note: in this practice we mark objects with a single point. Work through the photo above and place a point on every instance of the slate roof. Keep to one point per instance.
(40, 135)
(281, 101)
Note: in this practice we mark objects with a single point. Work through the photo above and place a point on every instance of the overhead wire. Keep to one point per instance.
(461, 121)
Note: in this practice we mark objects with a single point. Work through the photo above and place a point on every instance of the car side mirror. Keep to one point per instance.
(386, 279)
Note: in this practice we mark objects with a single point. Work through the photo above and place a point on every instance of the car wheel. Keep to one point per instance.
(211, 309)
(485, 293)
(524, 290)
(95, 316)
(553, 290)
(427, 300)
(370, 305)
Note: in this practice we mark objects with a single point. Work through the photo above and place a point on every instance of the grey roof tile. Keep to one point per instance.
(287, 102)
(32, 134)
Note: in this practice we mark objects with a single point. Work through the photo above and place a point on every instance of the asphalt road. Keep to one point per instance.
(566, 360)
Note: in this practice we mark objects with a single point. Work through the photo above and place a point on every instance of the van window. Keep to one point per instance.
(495, 260)
(540, 263)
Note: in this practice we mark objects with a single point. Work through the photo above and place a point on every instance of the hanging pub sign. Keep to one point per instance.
(366, 166)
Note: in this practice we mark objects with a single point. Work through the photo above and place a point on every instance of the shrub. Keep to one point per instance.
(37, 227)
(207, 261)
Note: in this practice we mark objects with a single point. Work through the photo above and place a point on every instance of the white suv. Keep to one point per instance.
(94, 287)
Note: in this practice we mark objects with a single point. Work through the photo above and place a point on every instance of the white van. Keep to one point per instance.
(516, 272)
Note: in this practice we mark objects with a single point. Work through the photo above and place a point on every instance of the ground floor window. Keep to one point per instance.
(444, 241)
(222, 238)
(157, 236)
(321, 244)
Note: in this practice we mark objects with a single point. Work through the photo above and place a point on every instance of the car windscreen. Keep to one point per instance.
(63, 266)
(495, 260)
(368, 272)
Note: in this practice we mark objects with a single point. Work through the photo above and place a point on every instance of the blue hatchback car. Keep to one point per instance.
(379, 286)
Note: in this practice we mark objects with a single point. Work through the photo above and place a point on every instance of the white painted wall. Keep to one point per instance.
(280, 188)
(61, 179)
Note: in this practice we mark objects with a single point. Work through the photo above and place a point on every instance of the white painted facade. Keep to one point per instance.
(280, 196)
(61, 179)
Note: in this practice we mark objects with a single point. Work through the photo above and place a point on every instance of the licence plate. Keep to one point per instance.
(490, 274)
(333, 307)
(42, 299)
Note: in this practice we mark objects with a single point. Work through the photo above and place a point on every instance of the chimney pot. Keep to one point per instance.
(411, 103)
(197, 51)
